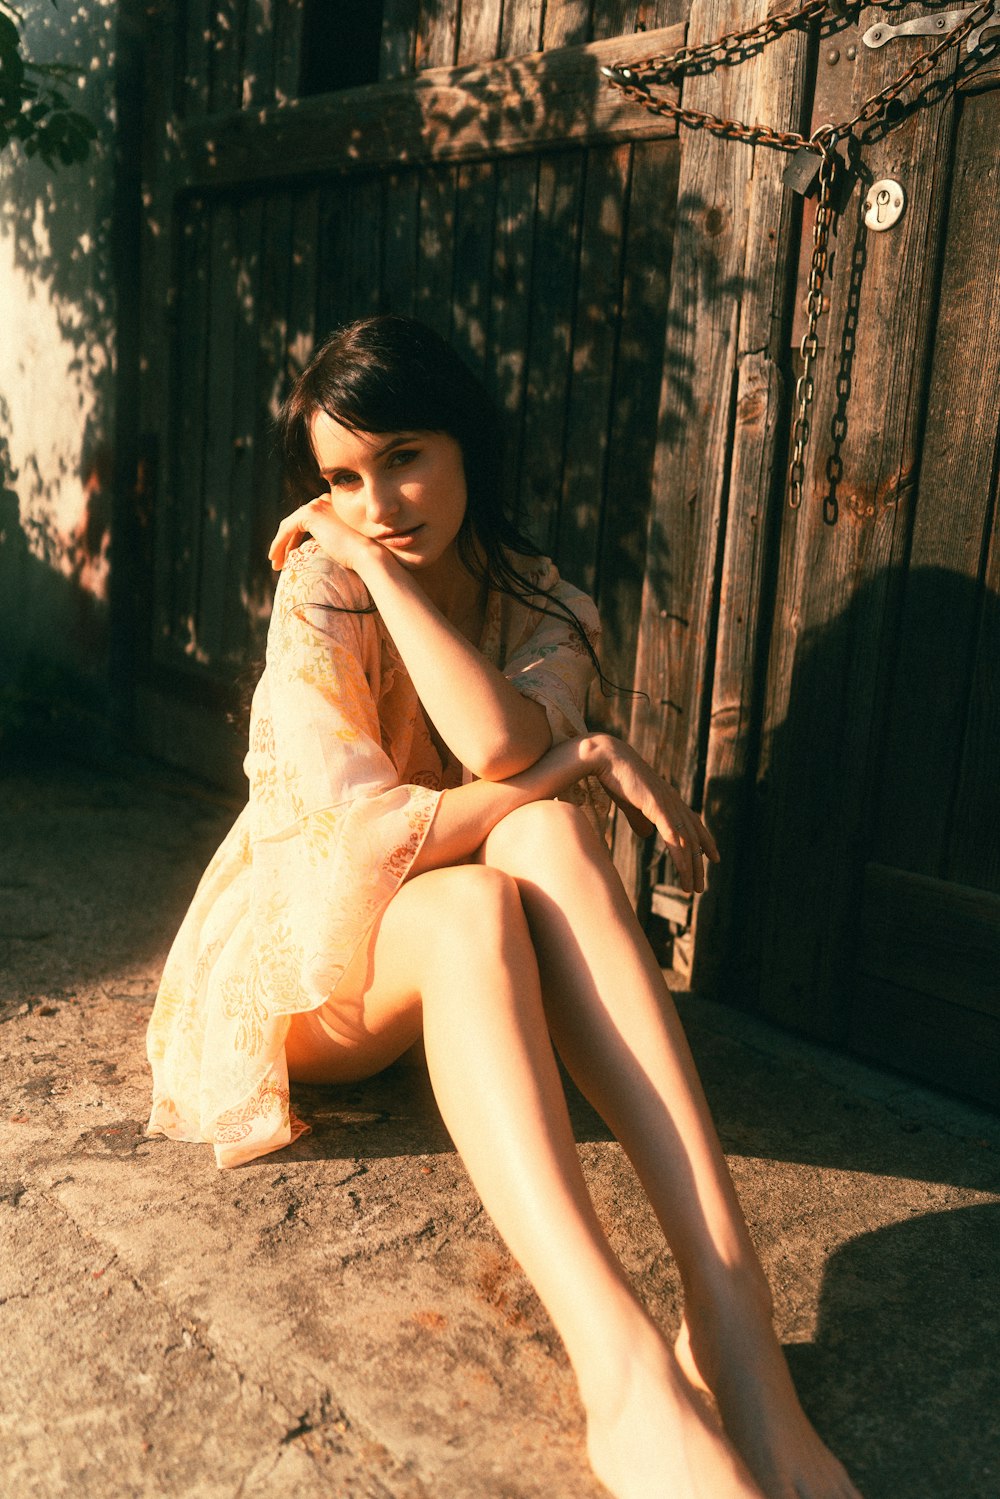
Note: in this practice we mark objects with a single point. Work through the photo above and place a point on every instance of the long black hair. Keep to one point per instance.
(396, 374)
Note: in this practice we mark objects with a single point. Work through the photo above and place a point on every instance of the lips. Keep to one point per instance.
(388, 537)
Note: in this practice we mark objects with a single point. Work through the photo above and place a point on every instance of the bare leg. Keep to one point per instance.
(615, 1025)
(455, 943)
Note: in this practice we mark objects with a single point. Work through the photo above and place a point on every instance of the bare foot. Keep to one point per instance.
(652, 1439)
(736, 1356)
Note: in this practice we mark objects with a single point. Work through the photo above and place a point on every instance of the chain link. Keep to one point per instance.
(809, 347)
(634, 80)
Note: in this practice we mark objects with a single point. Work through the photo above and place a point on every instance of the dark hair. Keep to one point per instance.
(396, 374)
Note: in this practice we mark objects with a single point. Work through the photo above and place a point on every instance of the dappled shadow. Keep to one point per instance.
(57, 388)
(549, 272)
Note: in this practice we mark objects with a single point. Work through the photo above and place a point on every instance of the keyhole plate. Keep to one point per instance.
(884, 204)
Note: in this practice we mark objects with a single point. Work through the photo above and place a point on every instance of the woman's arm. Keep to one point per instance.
(490, 727)
(467, 814)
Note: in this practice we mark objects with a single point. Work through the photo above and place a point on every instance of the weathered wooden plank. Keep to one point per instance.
(258, 54)
(437, 34)
(954, 507)
(401, 218)
(333, 257)
(303, 297)
(838, 582)
(974, 841)
(444, 114)
(157, 310)
(622, 17)
(289, 19)
(246, 434)
(264, 500)
(517, 184)
(181, 508)
(595, 330)
(436, 249)
(695, 423)
(475, 215)
(550, 342)
(399, 35)
(648, 246)
(566, 22)
(365, 273)
(198, 17)
(213, 518)
(932, 936)
(754, 508)
(224, 57)
(928, 1038)
(479, 33)
(521, 27)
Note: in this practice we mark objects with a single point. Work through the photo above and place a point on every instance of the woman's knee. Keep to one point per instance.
(466, 904)
(541, 834)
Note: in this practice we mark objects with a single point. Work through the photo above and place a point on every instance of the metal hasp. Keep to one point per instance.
(884, 204)
(936, 25)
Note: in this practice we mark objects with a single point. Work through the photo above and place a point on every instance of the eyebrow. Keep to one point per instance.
(399, 441)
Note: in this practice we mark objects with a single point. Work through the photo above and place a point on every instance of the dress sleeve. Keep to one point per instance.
(551, 664)
(326, 840)
(333, 832)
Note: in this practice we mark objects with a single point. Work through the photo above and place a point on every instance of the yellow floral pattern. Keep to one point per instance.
(344, 782)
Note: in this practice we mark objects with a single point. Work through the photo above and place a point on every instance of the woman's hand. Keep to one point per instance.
(319, 519)
(651, 806)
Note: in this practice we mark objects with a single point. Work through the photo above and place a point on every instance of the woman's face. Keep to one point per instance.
(405, 490)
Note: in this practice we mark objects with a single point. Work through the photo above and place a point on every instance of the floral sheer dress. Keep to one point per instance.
(344, 782)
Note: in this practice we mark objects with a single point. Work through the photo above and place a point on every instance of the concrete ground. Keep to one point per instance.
(340, 1318)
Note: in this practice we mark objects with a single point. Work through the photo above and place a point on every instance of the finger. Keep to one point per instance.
(679, 862)
(706, 840)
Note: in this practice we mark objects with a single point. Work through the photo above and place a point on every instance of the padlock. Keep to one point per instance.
(802, 172)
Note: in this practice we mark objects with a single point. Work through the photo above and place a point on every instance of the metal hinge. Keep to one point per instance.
(938, 24)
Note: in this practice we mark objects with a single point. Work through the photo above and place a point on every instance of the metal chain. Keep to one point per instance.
(809, 347)
(876, 106)
(633, 80)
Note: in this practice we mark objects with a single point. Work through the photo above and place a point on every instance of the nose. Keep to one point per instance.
(381, 500)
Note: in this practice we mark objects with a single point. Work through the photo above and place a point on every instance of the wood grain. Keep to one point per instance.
(690, 477)
(542, 100)
(946, 624)
(838, 584)
(754, 508)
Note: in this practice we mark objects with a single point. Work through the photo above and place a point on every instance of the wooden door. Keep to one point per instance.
(488, 181)
(866, 903)
(927, 995)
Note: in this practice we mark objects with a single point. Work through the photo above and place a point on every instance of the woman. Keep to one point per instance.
(404, 869)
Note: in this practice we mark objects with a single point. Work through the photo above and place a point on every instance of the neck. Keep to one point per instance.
(451, 588)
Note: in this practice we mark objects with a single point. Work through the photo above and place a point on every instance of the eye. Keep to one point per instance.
(401, 457)
(342, 478)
